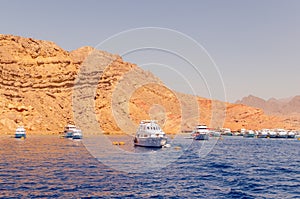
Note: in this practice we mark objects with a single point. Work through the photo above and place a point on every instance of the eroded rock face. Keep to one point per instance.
(35, 84)
(44, 87)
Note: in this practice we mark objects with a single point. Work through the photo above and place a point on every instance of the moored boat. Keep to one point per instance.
(264, 133)
(68, 131)
(71, 131)
(20, 132)
(249, 134)
(281, 133)
(201, 132)
(226, 131)
(291, 134)
(149, 134)
(272, 134)
(214, 133)
(242, 131)
(77, 134)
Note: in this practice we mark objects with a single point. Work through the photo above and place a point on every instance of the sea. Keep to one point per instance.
(232, 167)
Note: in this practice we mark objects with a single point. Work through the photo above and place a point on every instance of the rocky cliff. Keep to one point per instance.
(38, 81)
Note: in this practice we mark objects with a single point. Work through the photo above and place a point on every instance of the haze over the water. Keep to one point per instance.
(255, 44)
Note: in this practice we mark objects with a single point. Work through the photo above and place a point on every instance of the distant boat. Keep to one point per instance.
(242, 131)
(20, 132)
(264, 133)
(77, 134)
(249, 134)
(71, 131)
(201, 132)
(149, 134)
(272, 134)
(214, 133)
(226, 131)
(68, 131)
(281, 133)
(291, 134)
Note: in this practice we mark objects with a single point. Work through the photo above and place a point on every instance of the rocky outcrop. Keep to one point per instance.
(44, 87)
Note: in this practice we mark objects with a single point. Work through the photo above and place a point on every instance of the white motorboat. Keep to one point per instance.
(71, 131)
(149, 134)
(20, 132)
(77, 134)
(281, 133)
(272, 134)
(226, 131)
(291, 134)
(68, 131)
(201, 132)
(249, 134)
(214, 133)
(264, 133)
(243, 131)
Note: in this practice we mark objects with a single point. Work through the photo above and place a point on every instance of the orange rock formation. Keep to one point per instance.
(38, 81)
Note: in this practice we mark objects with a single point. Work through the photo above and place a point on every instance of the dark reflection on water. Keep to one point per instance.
(47, 166)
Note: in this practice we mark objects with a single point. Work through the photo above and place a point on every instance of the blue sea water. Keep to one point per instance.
(46, 166)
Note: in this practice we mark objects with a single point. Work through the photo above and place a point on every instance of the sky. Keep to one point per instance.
(232, 48)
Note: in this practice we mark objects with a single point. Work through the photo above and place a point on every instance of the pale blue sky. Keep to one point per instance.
(255, 44)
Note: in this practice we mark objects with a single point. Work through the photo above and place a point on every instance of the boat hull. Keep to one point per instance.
(77, 137)
(215, 134)
(281, 136)
(249, 135)
(201, 137)
(20, 135)
(150, 142)
(262, 136)
(69, 134)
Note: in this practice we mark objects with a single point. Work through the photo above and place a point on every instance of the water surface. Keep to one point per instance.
(46, 166)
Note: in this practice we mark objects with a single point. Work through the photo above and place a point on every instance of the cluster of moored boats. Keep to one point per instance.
(269, 133)
(263, 133)
(149, 133)
(201, 132)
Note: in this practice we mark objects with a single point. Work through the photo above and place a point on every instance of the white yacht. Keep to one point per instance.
(243, 131)
(77, 134)
(272, 134)
(68, 131)
(214, 133)
(20, 132)
(249, 134)
(201, 132)
(226, 131)
(291, 134)
(281, 133)
(264, 133)
(71, 131)
(149, 134)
